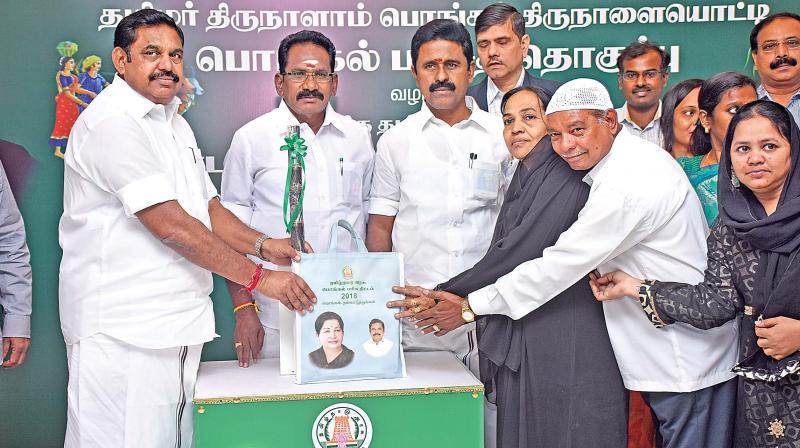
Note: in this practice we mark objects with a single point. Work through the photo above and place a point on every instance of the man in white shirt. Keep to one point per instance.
(438, 178)
(438, 181)
(502, 47)
(377, 345)
(338, 172)
(641, 216)
(643, 74)
(137, 246)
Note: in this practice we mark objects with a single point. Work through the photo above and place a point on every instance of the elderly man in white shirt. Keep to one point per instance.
(338, 172)
(137, 246)
(438, 177)
(641, 216)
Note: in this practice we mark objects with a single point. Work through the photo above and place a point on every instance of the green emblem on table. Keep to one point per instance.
(342, 425)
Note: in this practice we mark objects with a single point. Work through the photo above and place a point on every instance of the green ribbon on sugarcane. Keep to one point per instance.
(297, 151)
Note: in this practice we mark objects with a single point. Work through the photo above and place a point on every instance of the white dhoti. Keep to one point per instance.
(124, 396)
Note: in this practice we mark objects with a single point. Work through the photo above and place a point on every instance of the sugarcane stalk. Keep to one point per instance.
(296, 186)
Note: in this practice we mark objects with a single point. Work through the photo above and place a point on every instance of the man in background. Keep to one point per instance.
(775, 47)
(502, 47)
(643, 74)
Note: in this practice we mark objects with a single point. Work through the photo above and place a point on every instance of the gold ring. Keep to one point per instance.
(436, 328)
(416, 309)
(237, 344)
(413, 302)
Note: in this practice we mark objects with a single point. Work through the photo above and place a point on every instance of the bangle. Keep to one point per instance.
(259, 243)
(249, 287)
(247, 305)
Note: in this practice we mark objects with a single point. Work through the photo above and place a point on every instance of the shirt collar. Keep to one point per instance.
(762, 93)
(492, 90)
(331, 117)
(477, 116)
(624, 117)
(139, 106)
(591, 176)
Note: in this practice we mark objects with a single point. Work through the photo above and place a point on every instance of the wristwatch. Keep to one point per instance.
(259, 243)
(466, 312)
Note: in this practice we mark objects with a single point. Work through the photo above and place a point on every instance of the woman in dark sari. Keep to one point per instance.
(752, 273)
(552, 373)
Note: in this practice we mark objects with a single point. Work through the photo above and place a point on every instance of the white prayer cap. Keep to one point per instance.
(581, 93)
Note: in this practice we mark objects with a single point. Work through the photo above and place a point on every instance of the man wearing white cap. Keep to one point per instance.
(642, 217)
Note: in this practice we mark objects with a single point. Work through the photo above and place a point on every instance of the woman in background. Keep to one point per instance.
(720, 97)
(679, 117)
(66, 104)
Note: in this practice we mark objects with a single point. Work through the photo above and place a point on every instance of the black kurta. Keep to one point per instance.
(556, 379)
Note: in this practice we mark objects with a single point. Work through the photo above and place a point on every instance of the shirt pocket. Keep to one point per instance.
(349, 180)
(484, 182)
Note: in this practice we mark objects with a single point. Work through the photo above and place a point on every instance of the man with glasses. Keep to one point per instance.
(338, 173)
(643, 73)
(775, 46)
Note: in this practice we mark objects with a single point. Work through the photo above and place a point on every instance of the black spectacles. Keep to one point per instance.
(299, 76)
(791, 43)
(633, 76)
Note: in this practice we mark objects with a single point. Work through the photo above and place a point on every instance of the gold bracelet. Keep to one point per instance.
(246, 305)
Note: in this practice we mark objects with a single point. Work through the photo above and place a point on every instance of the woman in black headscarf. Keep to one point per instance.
(752, 273)
(552, 373)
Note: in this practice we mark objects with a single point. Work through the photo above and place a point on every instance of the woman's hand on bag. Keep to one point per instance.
(290, 289)
(778, 337)
(415, 301)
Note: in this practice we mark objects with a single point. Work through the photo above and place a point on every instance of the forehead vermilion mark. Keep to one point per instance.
(310, 63)
(438, 60)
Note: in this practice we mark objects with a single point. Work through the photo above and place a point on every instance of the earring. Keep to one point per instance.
(706, 129)
(735, 180)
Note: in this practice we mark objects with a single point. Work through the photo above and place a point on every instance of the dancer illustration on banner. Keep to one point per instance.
(91, 79)
(66, 100)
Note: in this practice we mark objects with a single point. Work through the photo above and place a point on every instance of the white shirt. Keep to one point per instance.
(651, 132)
(125, 154)
(444, 210)
(383, 347)
(254, 180)
(494, 97)
(642, 217)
